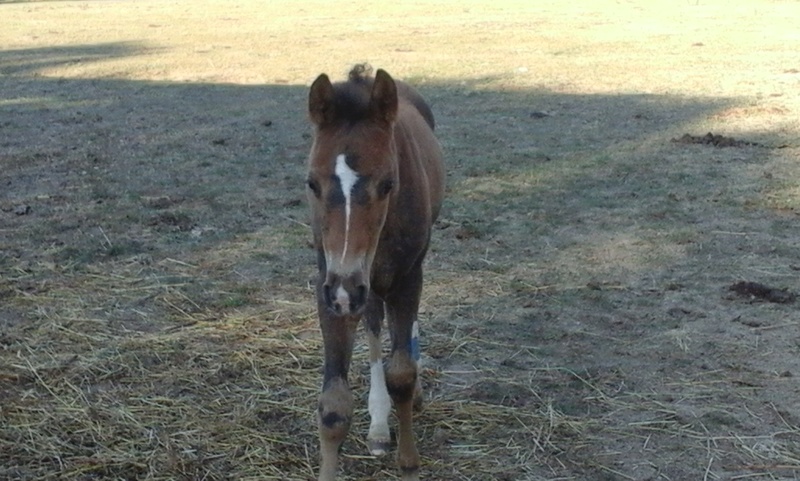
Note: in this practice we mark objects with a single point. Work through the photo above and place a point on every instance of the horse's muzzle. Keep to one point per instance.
(345, 295)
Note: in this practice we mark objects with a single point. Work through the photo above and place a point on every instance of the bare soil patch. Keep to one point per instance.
(156, 319)
(713, 139)
(755, 290)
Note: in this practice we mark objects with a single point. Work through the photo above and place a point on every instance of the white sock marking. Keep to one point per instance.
(347, 179)
(380, 405)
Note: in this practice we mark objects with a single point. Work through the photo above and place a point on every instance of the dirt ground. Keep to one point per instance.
(610, 295)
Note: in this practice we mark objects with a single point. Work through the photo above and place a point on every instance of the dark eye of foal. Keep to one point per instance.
(385, 187)
(314, 186)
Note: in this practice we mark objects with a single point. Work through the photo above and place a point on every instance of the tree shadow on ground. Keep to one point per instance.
(30, 61)
(232, 157)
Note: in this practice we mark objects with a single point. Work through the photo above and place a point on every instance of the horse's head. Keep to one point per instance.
(351, 178)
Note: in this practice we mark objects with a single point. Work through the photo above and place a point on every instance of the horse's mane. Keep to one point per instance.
(352, 96)
(360, 73)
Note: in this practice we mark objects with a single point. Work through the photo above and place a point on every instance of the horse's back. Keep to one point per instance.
(429, 148)
(409, 94)
(419, 148)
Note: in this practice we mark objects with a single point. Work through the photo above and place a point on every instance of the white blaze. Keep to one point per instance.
(347, 179)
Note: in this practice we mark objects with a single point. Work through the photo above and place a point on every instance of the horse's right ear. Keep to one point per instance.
(321, 108)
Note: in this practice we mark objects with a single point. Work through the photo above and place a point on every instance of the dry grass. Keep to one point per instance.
(121, 400)
(223, 394)
(228, 393)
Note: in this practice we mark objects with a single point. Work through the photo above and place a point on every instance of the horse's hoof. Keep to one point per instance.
(410, 474)
(379, 447)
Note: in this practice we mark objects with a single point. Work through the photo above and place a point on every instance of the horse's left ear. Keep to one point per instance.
(383, 99)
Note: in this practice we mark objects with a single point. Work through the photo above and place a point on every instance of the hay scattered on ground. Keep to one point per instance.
(216, 392)
(229, 393)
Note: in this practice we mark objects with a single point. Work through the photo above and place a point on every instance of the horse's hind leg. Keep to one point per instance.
(401, 370)
(380, 404)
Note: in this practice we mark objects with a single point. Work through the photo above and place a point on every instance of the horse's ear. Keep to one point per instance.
(321, 108)
(383, 100)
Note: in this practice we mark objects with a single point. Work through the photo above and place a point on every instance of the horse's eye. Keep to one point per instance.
(314, 186)
(385, 187)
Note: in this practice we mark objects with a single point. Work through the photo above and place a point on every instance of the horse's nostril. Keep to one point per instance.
(326, 295)
(359, 298)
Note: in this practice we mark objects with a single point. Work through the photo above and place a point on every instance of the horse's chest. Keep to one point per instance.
(394, 257)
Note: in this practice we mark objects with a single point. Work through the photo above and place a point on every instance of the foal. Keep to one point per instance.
(375, 186)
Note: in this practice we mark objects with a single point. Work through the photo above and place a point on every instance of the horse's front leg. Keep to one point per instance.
(336, 401)
(401, 370)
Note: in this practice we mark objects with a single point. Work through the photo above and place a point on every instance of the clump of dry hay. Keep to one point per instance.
(216, 390)
(210, 391)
